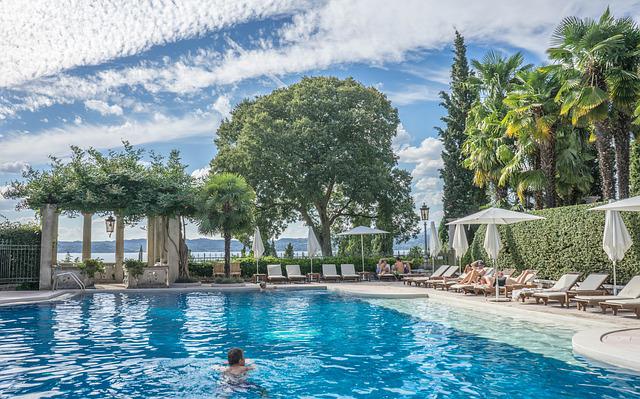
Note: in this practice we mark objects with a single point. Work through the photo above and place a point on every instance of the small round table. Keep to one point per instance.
(259, 277)
(313, 276)
(365, 276)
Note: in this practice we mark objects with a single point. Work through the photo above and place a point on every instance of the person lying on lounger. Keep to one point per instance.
(475, 273)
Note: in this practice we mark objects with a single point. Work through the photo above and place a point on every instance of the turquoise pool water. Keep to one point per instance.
(305, 344)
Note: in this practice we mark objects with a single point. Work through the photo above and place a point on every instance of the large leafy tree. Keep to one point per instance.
(318, 151)
(226, 206)
(460, 196)
(599, 61)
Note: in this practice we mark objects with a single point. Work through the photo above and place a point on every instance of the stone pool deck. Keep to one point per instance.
(603, 337)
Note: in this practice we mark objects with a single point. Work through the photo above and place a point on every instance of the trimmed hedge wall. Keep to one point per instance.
(248, 264)
(20, 233)
(569, 239)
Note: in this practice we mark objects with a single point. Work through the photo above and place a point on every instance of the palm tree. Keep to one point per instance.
(226, 206)
(533, 118)
(486, 149)
(598, 61)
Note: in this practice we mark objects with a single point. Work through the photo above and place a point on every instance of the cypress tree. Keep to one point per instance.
(461, 197)
(634, 169)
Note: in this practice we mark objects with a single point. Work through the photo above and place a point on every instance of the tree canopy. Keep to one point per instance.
(318, 151)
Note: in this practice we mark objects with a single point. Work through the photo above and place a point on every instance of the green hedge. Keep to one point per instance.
(248, 264)
(569, 239)
(20, 233)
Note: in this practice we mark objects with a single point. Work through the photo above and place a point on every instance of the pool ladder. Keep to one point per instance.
(73, 277)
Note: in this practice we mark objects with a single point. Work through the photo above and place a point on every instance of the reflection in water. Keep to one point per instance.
(304, 344)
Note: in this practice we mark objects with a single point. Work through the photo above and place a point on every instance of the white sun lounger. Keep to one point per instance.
(592, 285)
(436, 273)
(274, 274)
(348, 272)
(560, 288)
(293, 273)
(630, 291)
(329, 272)
(617, 304)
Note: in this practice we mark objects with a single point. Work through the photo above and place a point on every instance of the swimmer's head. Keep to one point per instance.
(235, 356)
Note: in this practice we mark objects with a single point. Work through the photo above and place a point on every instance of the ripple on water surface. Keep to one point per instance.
(304, 344)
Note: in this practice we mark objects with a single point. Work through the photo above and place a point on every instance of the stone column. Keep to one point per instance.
(163, 241)
(48, 214)
(86, 236)
(56, 218)
(151, 242)
(119, 272)
(157, 240)
(173, 249)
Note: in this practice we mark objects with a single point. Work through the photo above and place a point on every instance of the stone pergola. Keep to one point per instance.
(163, 240)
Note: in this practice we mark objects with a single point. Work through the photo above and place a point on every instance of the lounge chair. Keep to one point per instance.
(235, 269)
(447, 275)
(293, 273)
(630, 291)
(329, 272)
(558, 291)
(465, 287)
(348, 272)
(218, 269)
(617, 304)
(592, 285)
(524, 280)
(436, 273)
(274, 274)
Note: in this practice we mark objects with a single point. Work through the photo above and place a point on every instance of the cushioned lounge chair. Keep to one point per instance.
(592, 285)
(294, 275)
(630, 291)
(438, 272)
(469, 286)
(235, 269)
(348, 272)
(329, 272)
(559, 290)
(274, 274)
(447, 275)
(524, 280)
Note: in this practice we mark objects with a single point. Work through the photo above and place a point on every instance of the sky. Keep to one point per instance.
(164, 74)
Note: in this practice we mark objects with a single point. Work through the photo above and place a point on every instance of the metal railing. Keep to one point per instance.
(75, 278)
(19, 263)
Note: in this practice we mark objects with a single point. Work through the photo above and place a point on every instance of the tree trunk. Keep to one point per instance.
(605, 159)
(227, 254)
(183, 252)
(325, 238)
(548, 166)
(622, 138)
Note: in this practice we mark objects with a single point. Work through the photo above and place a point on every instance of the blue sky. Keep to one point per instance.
(163, 75)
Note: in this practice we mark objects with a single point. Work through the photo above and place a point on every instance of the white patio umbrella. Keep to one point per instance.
(460, 244)
(257, 247)
(313, 246)
(616, 240)
(434, 244)
(362, 231)
(492, 217)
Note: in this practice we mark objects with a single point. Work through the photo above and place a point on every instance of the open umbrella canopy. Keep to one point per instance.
(362, 230)
(629, 204)
(434, 241)
(496, 216)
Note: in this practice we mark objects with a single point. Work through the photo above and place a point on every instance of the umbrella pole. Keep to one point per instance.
(433, 264)
(362, 250)
(311, 264)
(495, 267)
(615, 280)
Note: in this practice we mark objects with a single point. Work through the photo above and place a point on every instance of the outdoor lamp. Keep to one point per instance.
(424, 212)
(110, 222)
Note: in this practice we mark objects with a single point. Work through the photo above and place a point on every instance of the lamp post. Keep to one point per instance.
(110, 224)
(424, 216)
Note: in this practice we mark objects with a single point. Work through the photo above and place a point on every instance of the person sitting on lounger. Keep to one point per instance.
(237, 366)
(475, 273)
(382, 267)
(398, 267)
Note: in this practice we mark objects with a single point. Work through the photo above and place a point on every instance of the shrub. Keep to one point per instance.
(20, 233)
(569, 239)
(91, 266)
(134, 267)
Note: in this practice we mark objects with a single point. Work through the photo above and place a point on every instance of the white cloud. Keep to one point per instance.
(13, 167)
(402, 139)
(413, 93)
(426, 176)
(201, 173)
(223, 106)
(103, 108)
(39, 38)
(36, 148)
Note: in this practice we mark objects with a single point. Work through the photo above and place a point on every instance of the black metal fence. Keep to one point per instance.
(19, 263)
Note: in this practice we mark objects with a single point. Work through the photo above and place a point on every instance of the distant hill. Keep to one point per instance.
(198, 245)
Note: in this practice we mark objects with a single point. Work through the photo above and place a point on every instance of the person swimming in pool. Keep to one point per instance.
(237, 364)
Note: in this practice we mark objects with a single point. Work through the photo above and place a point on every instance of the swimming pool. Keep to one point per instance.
(305, 344)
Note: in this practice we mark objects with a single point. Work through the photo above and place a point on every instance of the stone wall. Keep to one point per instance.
(151, 277)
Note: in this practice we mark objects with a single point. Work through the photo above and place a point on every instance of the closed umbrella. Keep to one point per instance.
(492, 217)
(434, 244)
(460, 244)
(362, 231)
(257, 247)
(140, 254)
(313, 246)
(615, 238)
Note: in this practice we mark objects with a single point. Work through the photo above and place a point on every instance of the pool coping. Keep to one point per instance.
(592, 344)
